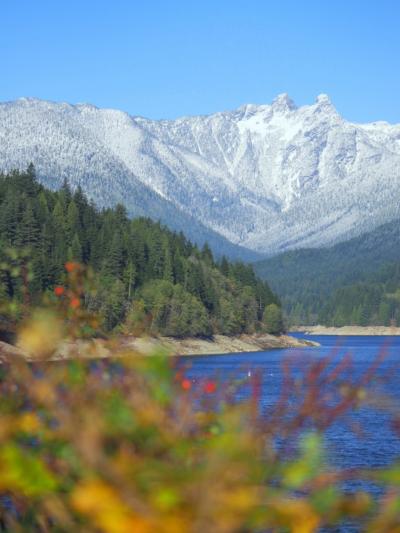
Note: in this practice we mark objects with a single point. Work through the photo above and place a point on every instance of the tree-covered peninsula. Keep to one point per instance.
(145, 274)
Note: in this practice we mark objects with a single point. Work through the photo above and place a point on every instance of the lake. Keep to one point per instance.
(378, 445)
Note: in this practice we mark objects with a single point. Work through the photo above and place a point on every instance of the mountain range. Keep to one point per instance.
(267, 178)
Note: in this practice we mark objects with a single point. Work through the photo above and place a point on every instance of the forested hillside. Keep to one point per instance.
(374, 300)
(145, 273)
(354, 282)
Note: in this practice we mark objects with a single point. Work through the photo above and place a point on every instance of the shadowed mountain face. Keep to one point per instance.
(266, 177)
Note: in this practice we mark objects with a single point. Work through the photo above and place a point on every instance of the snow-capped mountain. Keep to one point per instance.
(267, 177)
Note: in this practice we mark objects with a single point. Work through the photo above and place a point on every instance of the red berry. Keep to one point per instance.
(186, 384)
(70, 266)
(210, 387)
(59, 291)
(75, 303)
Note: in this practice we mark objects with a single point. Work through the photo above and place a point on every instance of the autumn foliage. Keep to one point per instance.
(134, 444)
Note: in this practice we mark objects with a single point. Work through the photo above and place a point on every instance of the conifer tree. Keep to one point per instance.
(76, 249)
(28, 230)
(115, 261)
(73, 224)
(129, 278)
(168, 274)
(59, 216)
(65, 192)
(224, 266)
(207, 255)
(9, 218)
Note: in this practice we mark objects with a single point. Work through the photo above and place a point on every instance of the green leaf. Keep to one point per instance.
(324, 499)
(21, 471)
(390, 476)
(297, 473)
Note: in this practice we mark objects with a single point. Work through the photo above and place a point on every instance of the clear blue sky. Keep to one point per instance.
(164, 59)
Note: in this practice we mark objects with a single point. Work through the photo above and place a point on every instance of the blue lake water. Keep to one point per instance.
(378, 445)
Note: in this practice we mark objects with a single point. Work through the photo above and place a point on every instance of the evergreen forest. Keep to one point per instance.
(356, 282)
(144, 273)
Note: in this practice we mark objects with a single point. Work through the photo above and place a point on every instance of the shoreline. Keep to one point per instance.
(349, 330)
(220, 344)
(131, 346)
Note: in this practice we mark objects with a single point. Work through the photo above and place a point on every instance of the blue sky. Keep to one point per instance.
(164, 59)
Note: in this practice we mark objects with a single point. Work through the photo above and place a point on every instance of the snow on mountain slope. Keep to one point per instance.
(66, 141)
(267, 177)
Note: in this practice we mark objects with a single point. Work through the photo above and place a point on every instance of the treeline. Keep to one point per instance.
(354, 282)
(375, 300)
(145, 273)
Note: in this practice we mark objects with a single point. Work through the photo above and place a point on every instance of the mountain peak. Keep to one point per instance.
(29, 100)
(283, 103)
(323, 100)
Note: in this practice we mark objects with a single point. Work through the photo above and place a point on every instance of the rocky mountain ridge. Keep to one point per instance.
(266, 177)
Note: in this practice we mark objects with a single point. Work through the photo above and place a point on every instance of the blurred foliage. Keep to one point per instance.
(133, 444)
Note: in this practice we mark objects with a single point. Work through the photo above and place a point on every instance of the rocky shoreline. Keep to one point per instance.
(219, 344)
(129, 345)
(348, 330)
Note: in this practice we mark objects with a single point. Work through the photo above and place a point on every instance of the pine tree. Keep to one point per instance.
(129, 278)
(114, 264)
(65, 192)
(28, 230)
(80, 200)
(207, 255)
(224, 266)
(168, 268)
(43, 208)
(73, 224)
(9, 218)
(59, 216)
(52, 267)
(178, 268)
(156, 257)
(76, 249)
(28, 181)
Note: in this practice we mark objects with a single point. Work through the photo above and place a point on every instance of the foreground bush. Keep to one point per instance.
(134, 445)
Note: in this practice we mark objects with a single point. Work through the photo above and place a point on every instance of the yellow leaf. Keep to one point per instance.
(102, 504)
(298, 515)
(28, 422)
(41, 335)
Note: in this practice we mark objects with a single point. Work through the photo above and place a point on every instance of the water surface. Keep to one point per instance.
(378, 445)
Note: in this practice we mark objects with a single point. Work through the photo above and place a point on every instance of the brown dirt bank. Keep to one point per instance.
(349, 330)
(219, 344)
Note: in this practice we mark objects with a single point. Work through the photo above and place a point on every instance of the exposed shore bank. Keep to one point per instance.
(219, 344)
(349, 330)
